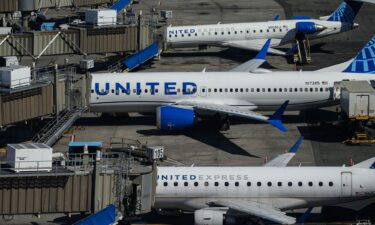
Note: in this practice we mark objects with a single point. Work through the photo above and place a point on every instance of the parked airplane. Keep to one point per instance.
(181, 99)
(217, 195)
(252, 36)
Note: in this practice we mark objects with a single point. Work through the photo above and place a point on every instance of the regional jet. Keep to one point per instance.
(182, 99)
(219, 195)
(252, 36)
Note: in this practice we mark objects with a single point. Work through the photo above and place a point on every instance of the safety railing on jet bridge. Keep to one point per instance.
(69, 164)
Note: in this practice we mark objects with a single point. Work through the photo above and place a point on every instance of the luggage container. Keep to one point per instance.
(15, 76)
(5, 30)
(9, 61)
(358, 100)
(101, 17)
(30, 157)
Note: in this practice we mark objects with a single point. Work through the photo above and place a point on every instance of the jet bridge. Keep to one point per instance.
(121, 4)
(136, 59)
(84, 182)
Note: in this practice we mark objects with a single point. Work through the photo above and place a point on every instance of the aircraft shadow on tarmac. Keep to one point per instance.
(108, 120)
(211, 137)
(233, 54)
(318, 47)
(323, 126)
(65, 220)
(208, 135)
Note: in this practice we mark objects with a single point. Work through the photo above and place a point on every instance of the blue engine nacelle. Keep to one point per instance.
(174, 118)
(308, 27)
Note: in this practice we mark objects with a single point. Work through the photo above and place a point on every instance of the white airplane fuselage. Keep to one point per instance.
(241, 34)
(144, 92)
(191, 188)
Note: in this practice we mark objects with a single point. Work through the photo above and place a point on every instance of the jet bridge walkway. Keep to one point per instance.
(121, 4)
(81, 183)
(136, 59)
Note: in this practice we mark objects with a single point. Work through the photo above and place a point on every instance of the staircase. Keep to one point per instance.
(71, 44)
(54, 129)
(116, 67)
(303, 50)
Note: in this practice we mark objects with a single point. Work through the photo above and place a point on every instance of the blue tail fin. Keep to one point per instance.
(364, 62)
(346, 11)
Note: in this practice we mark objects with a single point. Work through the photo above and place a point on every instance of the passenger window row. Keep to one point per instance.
(237, 184)
(316, 89)
(229, 32)
(220, 90)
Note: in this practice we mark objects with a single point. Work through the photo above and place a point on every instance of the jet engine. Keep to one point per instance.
(174, 118)
(308, 27)
(213, 216)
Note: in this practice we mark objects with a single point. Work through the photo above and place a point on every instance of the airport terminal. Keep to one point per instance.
(201, 112)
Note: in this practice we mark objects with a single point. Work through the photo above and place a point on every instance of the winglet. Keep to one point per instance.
(303, 218)
(292, 50)
(296, 145)
(276, 18)
(275, 119)
(263, 52)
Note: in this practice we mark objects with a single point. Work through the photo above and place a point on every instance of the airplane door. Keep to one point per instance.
(362, 105)
(346, 184)
(203, 91)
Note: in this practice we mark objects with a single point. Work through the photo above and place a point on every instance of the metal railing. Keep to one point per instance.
(105, 162)
(118, 163)
(16, 83)
(19, 168)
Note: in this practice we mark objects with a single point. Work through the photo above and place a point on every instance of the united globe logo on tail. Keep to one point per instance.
(346, 12)
(364, 62)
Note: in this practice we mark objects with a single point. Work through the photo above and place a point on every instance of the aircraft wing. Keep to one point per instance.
(252, 45)
(283, 160)
(257, 209)
(274, 120)
(255, 63)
